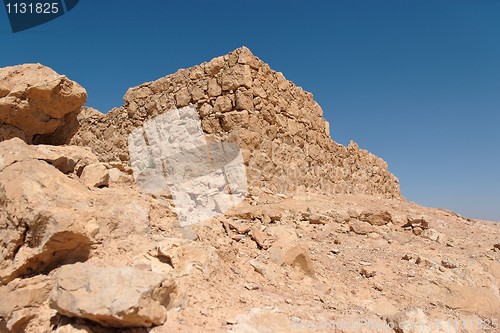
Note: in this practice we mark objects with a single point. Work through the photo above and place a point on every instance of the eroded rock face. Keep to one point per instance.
(284, 138)
(48, 217)
(39, 103)
(113, 297)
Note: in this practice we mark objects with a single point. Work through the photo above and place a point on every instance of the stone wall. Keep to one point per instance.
(279, 127)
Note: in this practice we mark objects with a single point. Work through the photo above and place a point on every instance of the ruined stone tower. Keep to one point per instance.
(278, 126)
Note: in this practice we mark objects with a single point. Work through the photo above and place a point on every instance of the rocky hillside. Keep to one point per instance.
(329, 247)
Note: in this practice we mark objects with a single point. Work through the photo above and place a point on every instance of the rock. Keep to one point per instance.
(360, 228)
(347, 324)
(475, 300)
(247, 58)
(435, 236)
(223, 104)
(418, 231)
(67, 159)
(38, 101)
(376, 218)
(73, 328)
(8, 132)
(237, 76)
(40, 230)
(227, 92)
(214, 89)
(188, 257)
(417, 222)
(260, 238)
(416, 321)
(113, 297)
(335, 251)
(20, 299)
(244, 100)
(95, 175)
(316, 218)
(368, 271)
(182, 97)
(496, 246)
(287, 250)
(448, 264)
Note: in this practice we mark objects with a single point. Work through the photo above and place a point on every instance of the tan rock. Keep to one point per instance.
(260, 238)
(244, 100)
(223, 104)
(474, 300)
(37, 100)
(261, 320)
(8, 132)
(416, 321)
(214, 89)
(188, 257)
(288, 125)
(246, 57)
(182, 97)
(376, 218)
(360, 227)
(237, 76)
(49, 219)
(20, 299)
(296, 256)
(113, 297)
(117, 176)
(95, 175)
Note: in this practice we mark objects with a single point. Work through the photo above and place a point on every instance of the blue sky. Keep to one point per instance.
(416, 82)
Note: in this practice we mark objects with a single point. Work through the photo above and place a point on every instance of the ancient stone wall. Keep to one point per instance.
(279, 127)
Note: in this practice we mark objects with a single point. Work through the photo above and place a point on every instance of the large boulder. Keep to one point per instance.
(41, 103)
(113, 297)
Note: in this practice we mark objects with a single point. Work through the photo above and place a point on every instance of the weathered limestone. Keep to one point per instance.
(278, 126)
(41, 105)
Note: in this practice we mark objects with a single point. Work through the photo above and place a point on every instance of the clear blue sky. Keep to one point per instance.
(417, 82)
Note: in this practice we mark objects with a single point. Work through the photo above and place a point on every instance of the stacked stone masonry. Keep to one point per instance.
(279, 127)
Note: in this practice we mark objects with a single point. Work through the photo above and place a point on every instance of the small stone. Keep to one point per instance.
(407, 257)
(448, 264)
(251, 286)
(335, 251)
(368, 272)
(95, 175)
(497, 246)
(182, 97)
(223, 104)
(260, 238)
